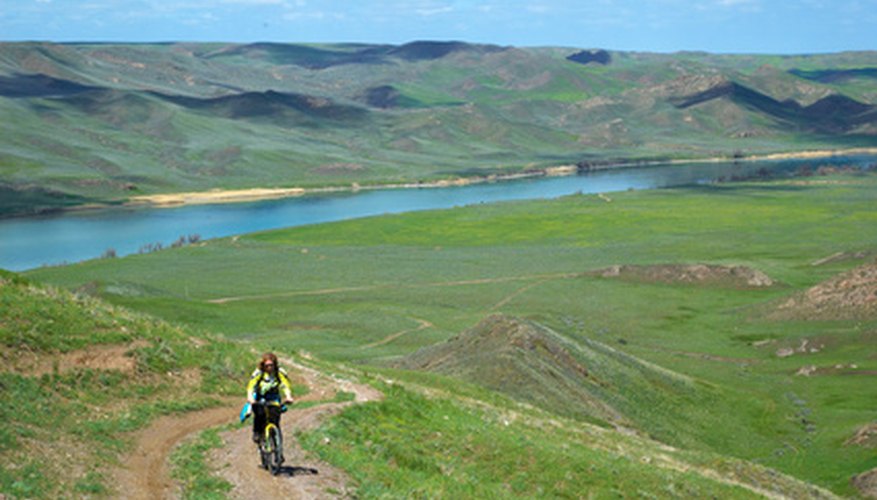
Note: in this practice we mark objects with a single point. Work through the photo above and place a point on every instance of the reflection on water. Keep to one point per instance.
(26, 243)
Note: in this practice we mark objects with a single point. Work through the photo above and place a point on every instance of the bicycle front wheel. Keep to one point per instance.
(275, 458)
(265, 453)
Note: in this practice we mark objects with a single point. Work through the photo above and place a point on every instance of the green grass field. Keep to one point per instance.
(372, 290)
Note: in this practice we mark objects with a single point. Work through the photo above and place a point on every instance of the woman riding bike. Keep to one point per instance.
(268, 383)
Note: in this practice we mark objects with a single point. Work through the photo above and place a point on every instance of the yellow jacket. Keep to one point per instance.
(267, 386)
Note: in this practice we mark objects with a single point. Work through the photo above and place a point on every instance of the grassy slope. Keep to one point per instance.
(64, 426)
(439, 445)
(469, 112)
(414, 444)
(374, 289)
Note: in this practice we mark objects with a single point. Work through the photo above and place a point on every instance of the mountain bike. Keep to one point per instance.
(271, 442)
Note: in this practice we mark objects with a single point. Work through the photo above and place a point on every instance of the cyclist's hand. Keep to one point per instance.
(251, 400)
(288, 401)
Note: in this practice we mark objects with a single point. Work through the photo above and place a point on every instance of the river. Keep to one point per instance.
(30, 242)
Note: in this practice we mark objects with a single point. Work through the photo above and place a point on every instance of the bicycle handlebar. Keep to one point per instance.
(267, 403)
(264, 402)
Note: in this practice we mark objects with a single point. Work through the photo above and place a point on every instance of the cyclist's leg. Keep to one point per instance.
(258, 422)
(274, 415)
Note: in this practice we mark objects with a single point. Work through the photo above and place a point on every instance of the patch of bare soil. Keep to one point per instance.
(707, 274)
(145, 474)
(840, 257)
(850, 295)
(807, 346)
(815, 344)
(838, 369)
(865, 436)
(866, 483)
(96, 357)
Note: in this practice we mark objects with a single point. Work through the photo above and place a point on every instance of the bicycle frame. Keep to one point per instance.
(271, 443)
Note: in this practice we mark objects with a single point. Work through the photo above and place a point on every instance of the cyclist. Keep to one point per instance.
(268, 382)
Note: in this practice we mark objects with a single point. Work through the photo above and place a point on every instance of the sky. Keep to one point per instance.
(721, 26)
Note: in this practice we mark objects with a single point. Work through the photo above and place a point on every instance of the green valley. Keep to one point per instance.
(713, 340)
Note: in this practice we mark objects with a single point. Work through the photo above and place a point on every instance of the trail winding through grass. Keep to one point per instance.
(366, 288)
(145, 473)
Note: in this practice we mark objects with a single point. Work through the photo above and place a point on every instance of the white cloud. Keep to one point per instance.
(317, 15)
(432, 11)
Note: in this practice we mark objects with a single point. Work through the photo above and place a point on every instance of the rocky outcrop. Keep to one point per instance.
(866, 483)
(733, 276)
(850, 295)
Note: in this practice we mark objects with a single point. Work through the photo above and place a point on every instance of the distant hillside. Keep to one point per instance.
(532, 363)
(102, 122)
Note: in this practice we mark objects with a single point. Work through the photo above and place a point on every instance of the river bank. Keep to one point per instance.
(29, 242)
(215, 196)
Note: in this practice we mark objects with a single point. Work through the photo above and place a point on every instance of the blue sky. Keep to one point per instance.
(762, 26)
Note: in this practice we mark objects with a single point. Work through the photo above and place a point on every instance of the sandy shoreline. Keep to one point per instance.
(256, 194)
(214, 196)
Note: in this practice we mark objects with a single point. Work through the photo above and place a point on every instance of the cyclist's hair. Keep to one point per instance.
(269, 356)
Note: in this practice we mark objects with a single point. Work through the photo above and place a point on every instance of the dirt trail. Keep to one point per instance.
(331, 291)
(422, 325)
(146, 474)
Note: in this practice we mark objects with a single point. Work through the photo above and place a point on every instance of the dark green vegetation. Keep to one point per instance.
(710, 366)
(104, 122)
(79, 374)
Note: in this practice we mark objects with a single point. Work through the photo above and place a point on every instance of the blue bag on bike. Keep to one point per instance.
(246, 411)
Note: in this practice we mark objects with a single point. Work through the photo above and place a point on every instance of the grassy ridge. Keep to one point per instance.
(105, 122)
(412, 446)
(374, 289)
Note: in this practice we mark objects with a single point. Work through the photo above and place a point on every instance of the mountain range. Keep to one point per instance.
(93, 122)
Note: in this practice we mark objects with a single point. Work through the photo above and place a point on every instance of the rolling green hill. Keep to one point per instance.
(585, 379)
(102, 122)
(602, 299)
(93, 373)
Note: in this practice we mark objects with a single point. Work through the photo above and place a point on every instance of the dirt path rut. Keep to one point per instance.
(146, 474)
